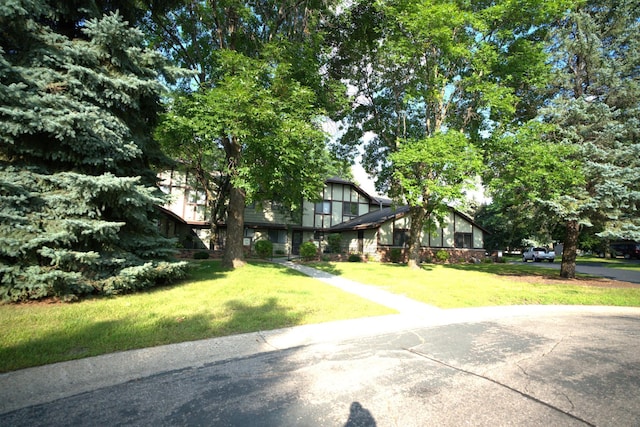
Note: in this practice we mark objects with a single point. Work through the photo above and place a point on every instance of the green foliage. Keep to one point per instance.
(577, 164)
(437, 74)
(308, 251)
(435, 171)
(354, 258)
(395, 255)
(248, 122)
(526, 168)
(201, 255)
(442, 255)
(80, 96)
(334, 241)
(264, 248)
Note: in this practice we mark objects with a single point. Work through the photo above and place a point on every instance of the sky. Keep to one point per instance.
(366, 183)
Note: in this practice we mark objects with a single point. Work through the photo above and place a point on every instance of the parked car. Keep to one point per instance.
(627, 250)
(538, 254)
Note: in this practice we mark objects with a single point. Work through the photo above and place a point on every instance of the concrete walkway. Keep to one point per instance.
(401, 303)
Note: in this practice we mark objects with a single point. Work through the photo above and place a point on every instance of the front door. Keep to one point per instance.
(296, 241)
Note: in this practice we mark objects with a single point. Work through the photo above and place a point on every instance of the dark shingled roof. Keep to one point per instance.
(372, 219)
(376, 218)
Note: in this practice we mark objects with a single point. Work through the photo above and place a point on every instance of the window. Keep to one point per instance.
(400, 237)
(463, 240)
(196, 205)
(350, 209)
(278, 236)
(323, 207)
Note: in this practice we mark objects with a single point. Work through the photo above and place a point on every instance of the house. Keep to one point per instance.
(377, 233)
(367, 225)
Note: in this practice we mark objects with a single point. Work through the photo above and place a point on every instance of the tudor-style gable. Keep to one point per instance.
(377, 232)
(340, 201)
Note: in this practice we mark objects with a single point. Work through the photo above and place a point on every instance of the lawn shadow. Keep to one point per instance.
(326, 267)
(502, 269)
(196, 272)
(265, 316)
(283, 269)
(101, 337)
(90, 339)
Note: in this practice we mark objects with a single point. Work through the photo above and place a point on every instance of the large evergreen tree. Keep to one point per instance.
(597, 54)
(79, 99)
(577, 164)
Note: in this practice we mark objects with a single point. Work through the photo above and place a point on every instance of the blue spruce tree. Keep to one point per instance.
(79, 97)
(597, 113)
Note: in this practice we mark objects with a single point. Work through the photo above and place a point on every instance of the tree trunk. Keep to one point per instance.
(570, 250)
(417, 215)
(233, 250)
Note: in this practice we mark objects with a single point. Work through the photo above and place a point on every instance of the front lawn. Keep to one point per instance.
(475, 285)
(263, 296)
(212, 303)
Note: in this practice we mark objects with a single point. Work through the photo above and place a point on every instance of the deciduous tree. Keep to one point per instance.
(256, 100)
(423, 69)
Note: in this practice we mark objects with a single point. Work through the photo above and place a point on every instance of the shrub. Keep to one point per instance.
(279, 251)
(354, 258)
(335, 243)
(442, 255)
(308, 250)
(396, 255)
(201, 255)
(264, 248)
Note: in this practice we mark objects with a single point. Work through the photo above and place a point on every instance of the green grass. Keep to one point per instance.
(476, 285)
(212, 303)
(265, 296)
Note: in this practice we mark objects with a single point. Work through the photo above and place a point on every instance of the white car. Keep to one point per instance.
(538, 254)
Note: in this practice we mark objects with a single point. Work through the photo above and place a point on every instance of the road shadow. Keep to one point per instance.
(501, 269)
(359, 416)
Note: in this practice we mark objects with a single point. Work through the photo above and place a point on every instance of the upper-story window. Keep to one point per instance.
(323, 207)
(196, 207)
(350, 209)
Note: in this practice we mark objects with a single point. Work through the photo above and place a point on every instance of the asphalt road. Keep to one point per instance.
(522, 366)
(600, 269)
